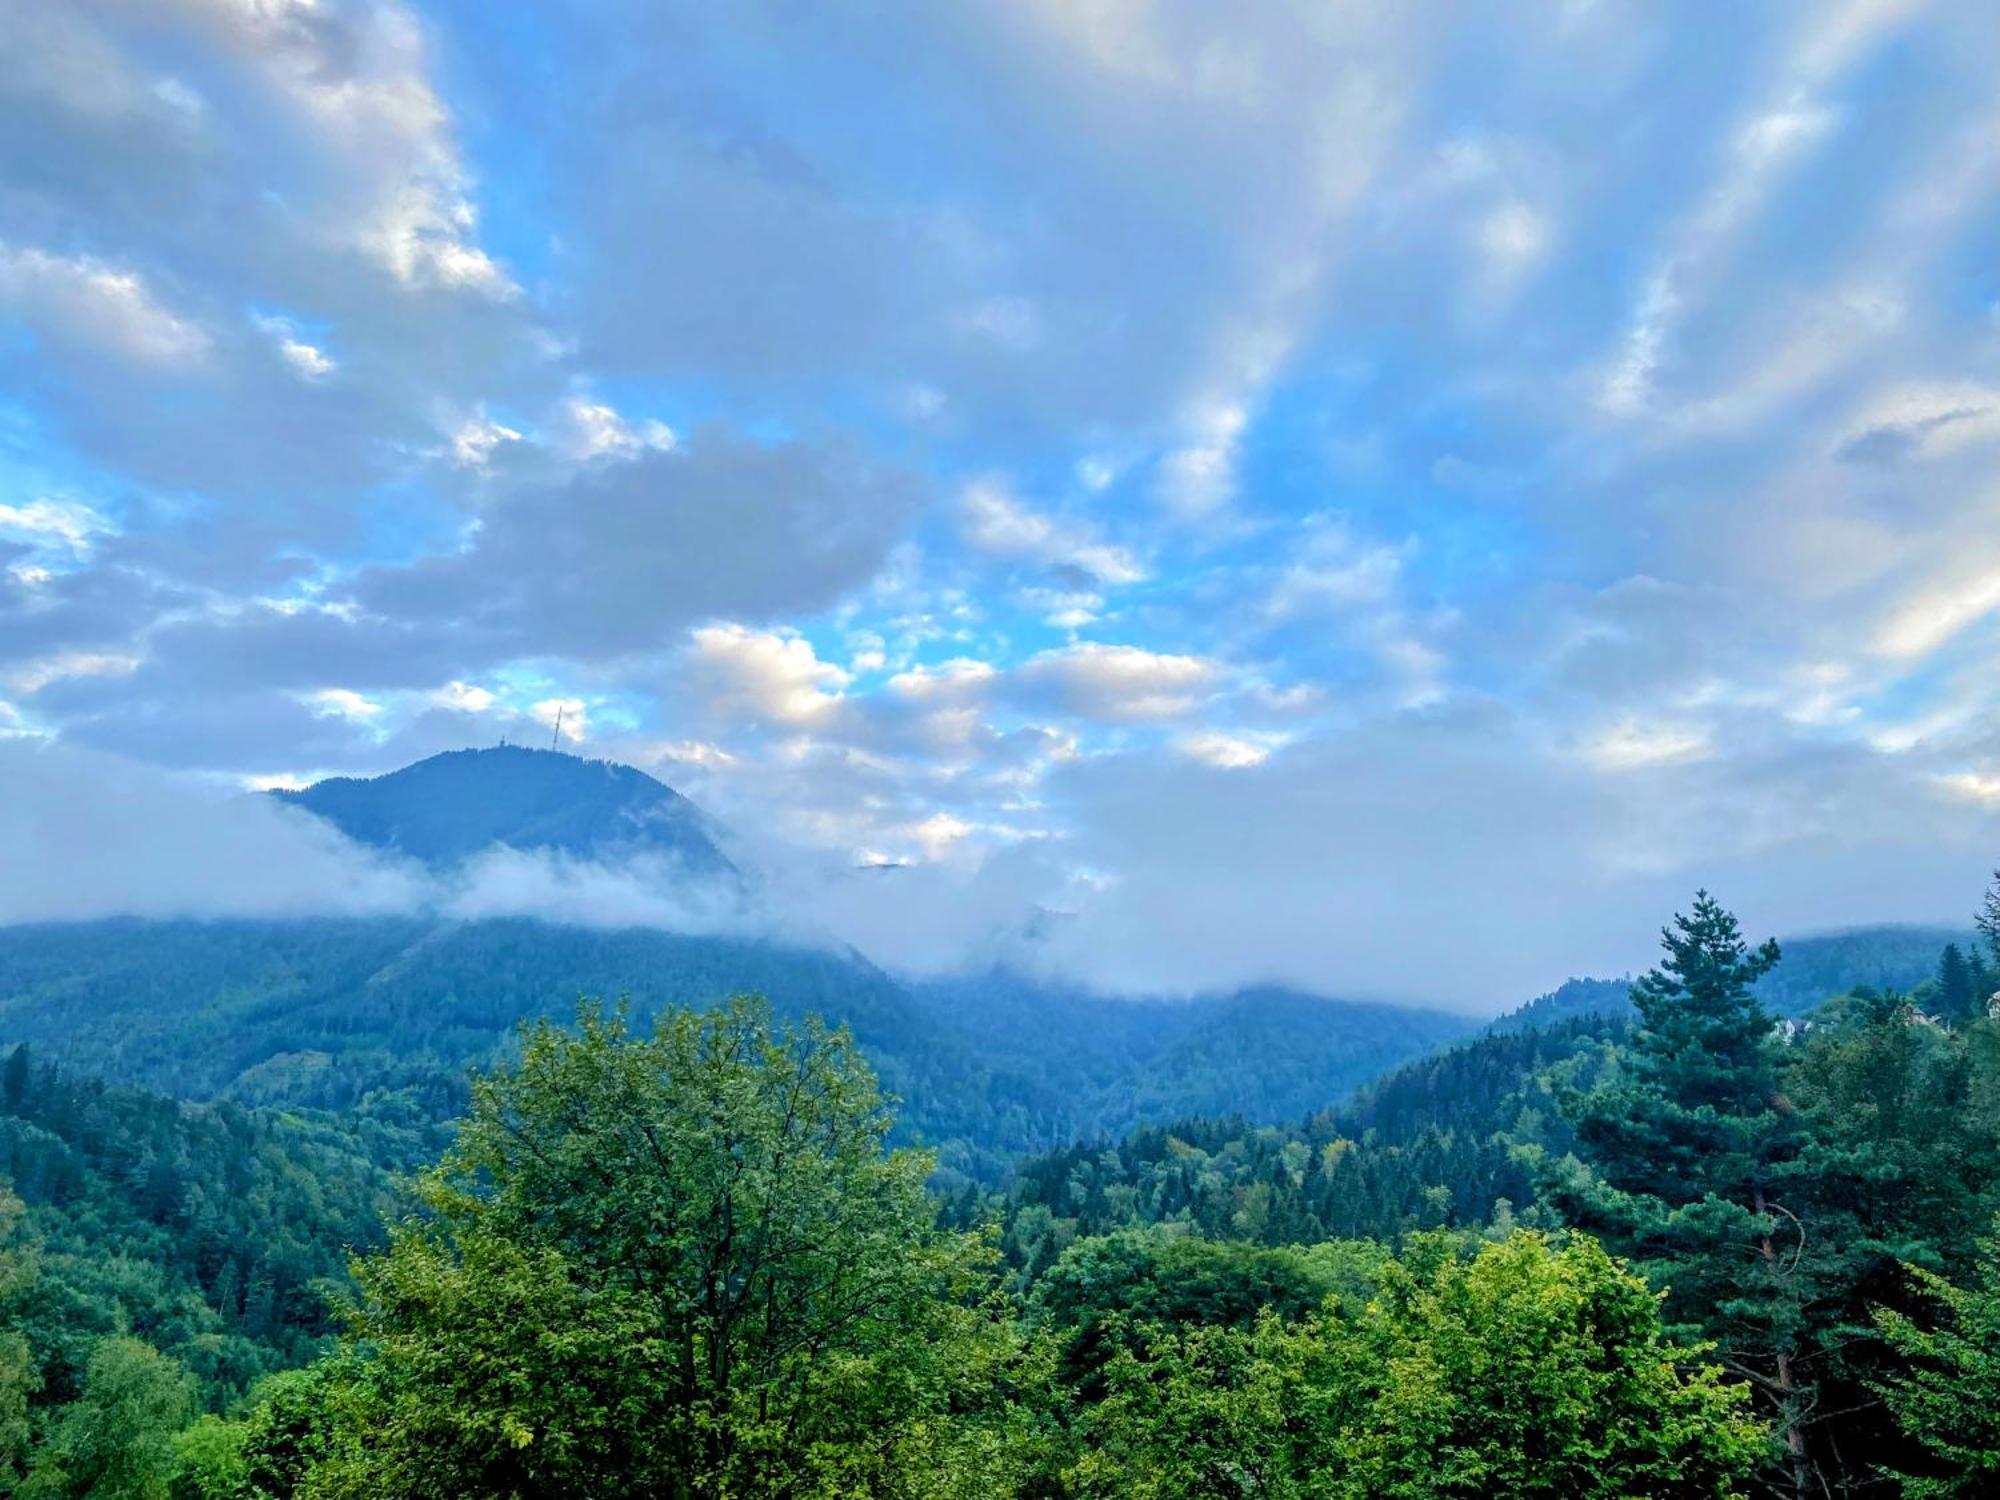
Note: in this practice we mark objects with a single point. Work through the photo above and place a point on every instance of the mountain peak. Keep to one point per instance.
(459, 803)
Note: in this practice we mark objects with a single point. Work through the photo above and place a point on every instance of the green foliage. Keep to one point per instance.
(1961, 991)
(212, 1232)
(689, 1263)
(1451, 1139)
(116, 1440)
(1946, 1396)
(380, 1019)
(207, 1461)
(1101, 1290)
(681, 1264)
(1686, 1146)
(1526, 1370)
(1988, 919)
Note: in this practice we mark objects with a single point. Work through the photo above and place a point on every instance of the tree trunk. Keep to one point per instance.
(1790, 1397)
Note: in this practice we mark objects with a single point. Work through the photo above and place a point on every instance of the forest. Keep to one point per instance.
(1677, 1245)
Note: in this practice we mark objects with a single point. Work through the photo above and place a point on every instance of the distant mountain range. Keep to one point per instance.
(1813, 967)
(380, 1017)
(453, 806)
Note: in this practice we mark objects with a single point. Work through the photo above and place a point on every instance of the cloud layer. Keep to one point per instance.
(1386, 496)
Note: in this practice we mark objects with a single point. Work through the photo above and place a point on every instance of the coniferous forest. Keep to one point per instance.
(1679, 1248)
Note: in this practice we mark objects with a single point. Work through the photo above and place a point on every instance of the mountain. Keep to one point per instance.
(380, 1017)
(1106, 1064)
(463, 802)
(1813, 967)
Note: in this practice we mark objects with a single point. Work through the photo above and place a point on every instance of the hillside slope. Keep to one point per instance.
(383, 1015)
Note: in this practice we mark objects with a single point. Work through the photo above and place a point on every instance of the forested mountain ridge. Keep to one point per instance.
(462, 802)
(382, 1016)
(213, 1232)
(1813, 967)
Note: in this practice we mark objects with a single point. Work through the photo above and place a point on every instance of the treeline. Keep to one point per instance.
(1457, 1139)
(382, 1018)
(1697, 1253)
(1811, 1195)
(686, 1265)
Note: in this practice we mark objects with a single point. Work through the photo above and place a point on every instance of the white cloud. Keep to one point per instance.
(1923, 420)
(1121, 684)
(1770, 140)
(39, 673)
(595, 430)
(345, 703)
(1513, 238)
(1979, 787)
(1199, 477)
(956, 680)
(1228, 752)
(308, 362)
(95, 305)
(1632, 744)
(765, 676)
(1064, 609)
(464, 697)
(95, 836)
(998, 524)
(53, 525)
(473, 441)
(937, 835)
(358, 81)
(1940, 609)
(568, 717)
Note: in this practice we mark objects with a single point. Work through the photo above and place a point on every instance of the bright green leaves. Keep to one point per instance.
(1525, 1370)
(681, 1264)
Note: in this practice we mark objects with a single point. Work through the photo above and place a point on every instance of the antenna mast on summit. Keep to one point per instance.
(555, 740)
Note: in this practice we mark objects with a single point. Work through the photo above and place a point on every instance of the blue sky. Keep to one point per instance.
(1275, 483)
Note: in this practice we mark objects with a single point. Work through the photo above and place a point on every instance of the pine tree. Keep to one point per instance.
(1988, 920)
(14, 1079)
(1957, 999)
(1685, 1146)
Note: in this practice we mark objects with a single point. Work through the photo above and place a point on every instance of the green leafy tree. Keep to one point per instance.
(1947, 1394)
(1687, 1146)
(1526, 1370)
(679, 1265)
(116, 1440)
(208, 1461)
(19, 1378)
(291, 1426)
(1103, 1290)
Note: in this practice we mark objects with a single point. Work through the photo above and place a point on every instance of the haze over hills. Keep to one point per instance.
(382, 1015)
(208, 1115)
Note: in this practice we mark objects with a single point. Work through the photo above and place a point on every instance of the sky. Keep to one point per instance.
(1387, 497)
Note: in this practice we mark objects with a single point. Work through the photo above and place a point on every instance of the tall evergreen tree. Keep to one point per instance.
(1988, 920)
(1686, 1146)
(1957, 998)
